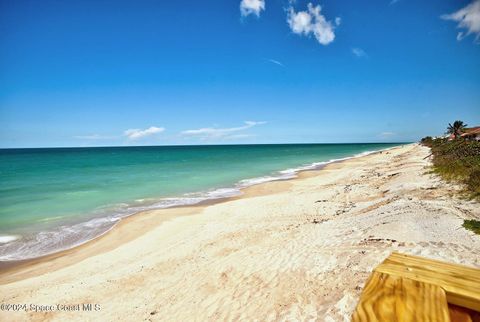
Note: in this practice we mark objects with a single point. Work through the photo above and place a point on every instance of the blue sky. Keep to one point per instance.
(96, 73)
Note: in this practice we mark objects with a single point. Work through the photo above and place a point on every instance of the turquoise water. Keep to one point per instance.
(52, 199)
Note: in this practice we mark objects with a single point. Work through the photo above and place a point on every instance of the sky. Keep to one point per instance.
(102, 73)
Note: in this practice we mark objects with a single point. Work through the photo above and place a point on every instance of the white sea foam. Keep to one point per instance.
(8, 238)
(47, 242)
(50, 218)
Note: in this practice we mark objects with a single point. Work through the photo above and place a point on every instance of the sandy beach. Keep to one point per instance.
(296, 250)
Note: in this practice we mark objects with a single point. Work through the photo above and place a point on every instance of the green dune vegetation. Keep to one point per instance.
(473, 225)
(456, 157)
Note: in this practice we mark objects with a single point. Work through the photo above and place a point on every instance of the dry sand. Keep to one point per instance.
(292, 250)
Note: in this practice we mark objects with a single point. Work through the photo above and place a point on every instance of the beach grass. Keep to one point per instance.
(473, 225)
(458, 161)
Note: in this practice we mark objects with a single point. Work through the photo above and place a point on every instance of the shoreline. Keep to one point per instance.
(292, 249)
(294, 173)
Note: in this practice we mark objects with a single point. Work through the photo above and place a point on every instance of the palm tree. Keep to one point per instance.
(456, 129)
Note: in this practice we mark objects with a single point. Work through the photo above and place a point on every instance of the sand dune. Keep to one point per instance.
(291, 250)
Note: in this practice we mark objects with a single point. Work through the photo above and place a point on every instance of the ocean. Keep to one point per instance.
(53, 199)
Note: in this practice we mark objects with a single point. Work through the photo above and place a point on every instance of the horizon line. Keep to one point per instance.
(195, 145)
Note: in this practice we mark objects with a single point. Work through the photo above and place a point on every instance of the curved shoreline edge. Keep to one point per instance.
(137, 224)
(75, 234)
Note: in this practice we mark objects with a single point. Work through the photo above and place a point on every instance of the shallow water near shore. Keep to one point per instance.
(54, 199)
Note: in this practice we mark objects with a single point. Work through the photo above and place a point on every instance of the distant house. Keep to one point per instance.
(472, 133)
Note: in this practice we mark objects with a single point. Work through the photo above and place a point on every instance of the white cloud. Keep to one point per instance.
(393, 2)
(135, 134)
(312, 22)
(95, 137)
(359, 52)
(210, 133)
(387, 134)
(276, 62)
(239, 136)
(248, 7)
(468, 18)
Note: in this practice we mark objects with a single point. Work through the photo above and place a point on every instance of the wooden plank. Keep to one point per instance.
(461, 283)
(389, 298)
(470, 274)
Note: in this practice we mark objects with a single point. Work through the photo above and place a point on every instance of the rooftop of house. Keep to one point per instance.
(471, 131)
